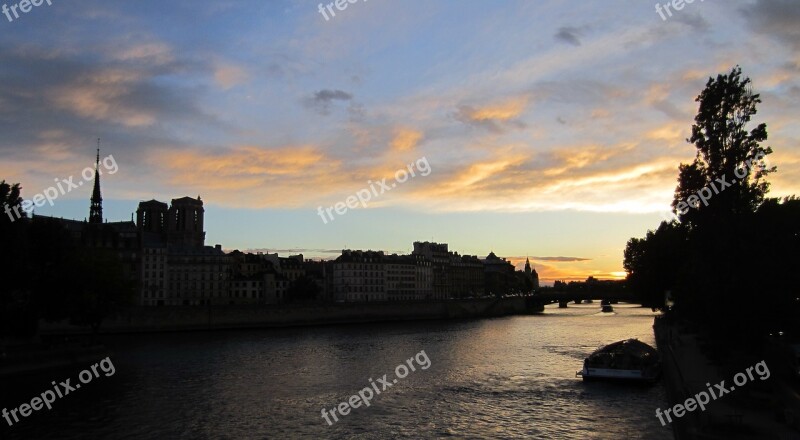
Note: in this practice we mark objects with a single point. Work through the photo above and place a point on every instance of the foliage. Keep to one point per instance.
(52, 277)
(726, 151)
(303, 289)
(728, 262)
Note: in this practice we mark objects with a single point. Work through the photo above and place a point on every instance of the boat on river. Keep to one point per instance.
(629, 360)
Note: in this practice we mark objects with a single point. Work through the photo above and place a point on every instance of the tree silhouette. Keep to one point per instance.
(47, 274)
(303, 289)
(730, 160)
(729, 260)
(16, 318)
(654, 263)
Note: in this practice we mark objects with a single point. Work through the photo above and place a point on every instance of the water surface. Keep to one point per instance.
(497, 378)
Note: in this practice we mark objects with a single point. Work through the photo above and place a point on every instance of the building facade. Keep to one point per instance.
(359, 276)
(176, 266)
(499, 275)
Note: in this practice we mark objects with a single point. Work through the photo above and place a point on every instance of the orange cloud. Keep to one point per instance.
(596, 179)
(405, 139)
(503, 111)
(670, 133)
(256, 177)
(96, 95)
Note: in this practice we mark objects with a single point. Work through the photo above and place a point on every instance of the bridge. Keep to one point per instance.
(537, 301)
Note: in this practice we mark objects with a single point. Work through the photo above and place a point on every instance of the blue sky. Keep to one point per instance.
(553, 129)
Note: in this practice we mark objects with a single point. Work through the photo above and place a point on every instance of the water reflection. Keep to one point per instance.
(494, 378)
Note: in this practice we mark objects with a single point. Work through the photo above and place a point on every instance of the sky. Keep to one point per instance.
(539, 128)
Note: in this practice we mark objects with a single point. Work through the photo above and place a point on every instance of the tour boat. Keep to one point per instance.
(628, 360)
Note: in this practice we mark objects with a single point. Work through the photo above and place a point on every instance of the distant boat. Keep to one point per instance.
(606, 306)
(630, 360)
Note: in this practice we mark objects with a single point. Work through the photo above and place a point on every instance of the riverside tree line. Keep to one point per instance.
(728, 262)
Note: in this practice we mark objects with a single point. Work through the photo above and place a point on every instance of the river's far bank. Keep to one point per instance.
(62, 344)
(766, 406)
(198, 318)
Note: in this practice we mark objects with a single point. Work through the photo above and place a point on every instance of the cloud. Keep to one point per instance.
(96, 97)
(569, 35)
(695, 22)
(624, 177)
(673, 133)
(494, 117)
(293, 251)
(150, 53)
(560, 259)
(252, 176)
(658, 97)
(322, 100)
(554, 259)
(287, 176)
(117, 95)
(228, 76)
(776, 18)
(406, 139)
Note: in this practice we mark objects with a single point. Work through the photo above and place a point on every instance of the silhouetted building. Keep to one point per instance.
(322, 274)
(359, 276)
(440, 262)
(408, 277)
(121, 237)
(466, 275)
(531, 273)
(96, 207)
(176, 267)
(499, 275)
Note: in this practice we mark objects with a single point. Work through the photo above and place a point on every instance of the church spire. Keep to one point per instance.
(96, 209)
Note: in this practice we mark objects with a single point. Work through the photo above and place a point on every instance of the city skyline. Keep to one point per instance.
(557, 137)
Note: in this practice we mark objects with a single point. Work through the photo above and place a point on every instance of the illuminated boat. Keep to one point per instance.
(629, 360)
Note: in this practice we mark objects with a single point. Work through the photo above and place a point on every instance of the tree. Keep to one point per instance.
(48, 275)
(81, 283)
(303, 289)
(655, 263)
(16, 316)
(101, 290)
(730, 162)
(10, 203)
(730, 259)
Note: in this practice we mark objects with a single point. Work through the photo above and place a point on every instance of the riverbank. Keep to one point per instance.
(61, 344)
(760, 409)
(37, 356)
(195, 318)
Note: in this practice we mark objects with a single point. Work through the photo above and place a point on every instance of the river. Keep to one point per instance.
(500, 378)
